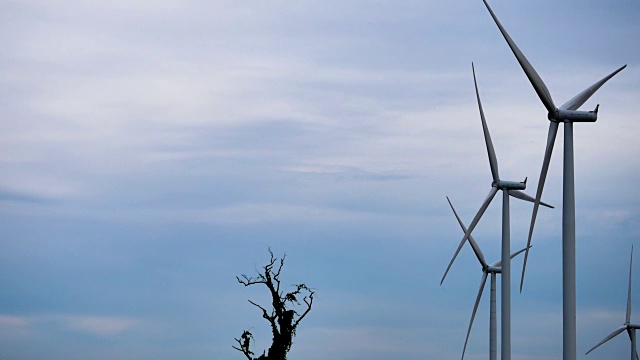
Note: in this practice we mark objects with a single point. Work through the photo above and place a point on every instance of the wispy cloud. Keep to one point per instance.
(95, 325)
(100, 325)
(14, 324)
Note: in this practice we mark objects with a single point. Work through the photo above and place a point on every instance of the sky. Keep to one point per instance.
(154, 150)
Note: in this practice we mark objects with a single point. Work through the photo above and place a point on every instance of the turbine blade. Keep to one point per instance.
(499, 262)
(532, 75)
(472, 226)
(629, 292)
(580, 99)
(551, 138)
(523, 196)
(519, 252)
(611, 336)
(474, 245)
(475, 309)
(493, 161)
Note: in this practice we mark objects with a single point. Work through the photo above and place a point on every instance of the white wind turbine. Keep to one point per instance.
(631, 328)
(487, 269)
(568, 114)
(508, 188)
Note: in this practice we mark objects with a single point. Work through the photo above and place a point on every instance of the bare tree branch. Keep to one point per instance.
(308, 303)
(246, 281)
(244, 344)
(276, 277)
(270, 318)
(261, 308)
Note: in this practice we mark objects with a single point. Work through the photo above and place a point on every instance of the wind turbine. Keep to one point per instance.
(508, 188)
(487, 269)
(631, 328)
(568, 114)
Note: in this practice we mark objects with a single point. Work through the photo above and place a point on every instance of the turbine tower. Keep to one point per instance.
(567, 114)
(631, 328)
(487, 270)
(509, 188)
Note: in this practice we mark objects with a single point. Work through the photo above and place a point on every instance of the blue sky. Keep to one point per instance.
(154, 150)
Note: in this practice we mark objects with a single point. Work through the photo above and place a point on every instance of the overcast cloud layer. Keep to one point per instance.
(153, 150)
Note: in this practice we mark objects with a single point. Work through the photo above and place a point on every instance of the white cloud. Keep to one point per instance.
(96, 325)
(103, 326)
(13, 325)
(370, 342)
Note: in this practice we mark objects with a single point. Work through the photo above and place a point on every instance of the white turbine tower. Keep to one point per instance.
(487, 270)
(628, 326)
(508, 188)
(567, 114)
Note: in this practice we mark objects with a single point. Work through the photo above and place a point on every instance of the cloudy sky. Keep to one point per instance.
(153, 150)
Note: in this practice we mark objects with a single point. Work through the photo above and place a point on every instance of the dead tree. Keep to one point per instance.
(282, 317)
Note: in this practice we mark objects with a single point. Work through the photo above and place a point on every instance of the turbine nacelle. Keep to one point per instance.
(510, 185)
(562, 115)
